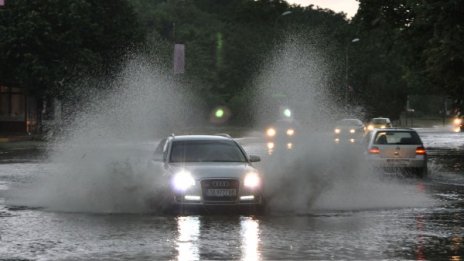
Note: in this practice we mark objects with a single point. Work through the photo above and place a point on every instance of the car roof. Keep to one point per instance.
(380, 118)
(200, 137)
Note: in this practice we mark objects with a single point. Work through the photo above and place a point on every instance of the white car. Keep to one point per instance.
(379, 123)
(396, 149)
(209, 170)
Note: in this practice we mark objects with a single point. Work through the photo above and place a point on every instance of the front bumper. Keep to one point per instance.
(196, 200)
(218, 192)
(348, 138)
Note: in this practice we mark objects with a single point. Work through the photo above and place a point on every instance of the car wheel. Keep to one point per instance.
(421, 172)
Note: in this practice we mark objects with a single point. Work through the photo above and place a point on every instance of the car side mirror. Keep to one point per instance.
(254, 158)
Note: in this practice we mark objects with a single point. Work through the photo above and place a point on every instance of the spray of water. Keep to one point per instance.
(318, 174)
(103, 161)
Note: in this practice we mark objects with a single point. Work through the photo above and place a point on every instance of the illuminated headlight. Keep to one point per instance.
(290, 132)
(352, 131)
(182, 181)
(252, 180)
(337, 140)
(337, 131)
(382, 127)
(271, 132)
(370, 127)
(457, 121)
(352, 140)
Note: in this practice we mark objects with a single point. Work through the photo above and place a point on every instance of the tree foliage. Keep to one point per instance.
(45, 44)
(406, 47)
(411, 47)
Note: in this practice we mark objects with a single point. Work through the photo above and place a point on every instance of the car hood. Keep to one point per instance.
(212, 169)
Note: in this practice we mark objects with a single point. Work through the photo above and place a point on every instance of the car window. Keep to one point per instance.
(206, 151)
(379, 121)
(350, 122)
(397, 137)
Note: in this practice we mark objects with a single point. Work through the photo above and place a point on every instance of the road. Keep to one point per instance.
(320, 208)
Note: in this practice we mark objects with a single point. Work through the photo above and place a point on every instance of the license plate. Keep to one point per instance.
(221, 192)
(398, 162)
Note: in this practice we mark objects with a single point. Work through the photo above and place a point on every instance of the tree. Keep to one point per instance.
(46, 44)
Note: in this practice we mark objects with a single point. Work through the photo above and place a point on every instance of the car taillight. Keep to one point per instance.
(374, 150)
(420, 151)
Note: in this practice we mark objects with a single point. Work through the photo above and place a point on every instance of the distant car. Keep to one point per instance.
(458, 124)
(379, 123)
(209, 170)
(349, 131)
(396, 149)
(281, 134)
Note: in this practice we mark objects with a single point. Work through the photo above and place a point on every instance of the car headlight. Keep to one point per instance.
(383, 127)
(252, 180)
(457, 121)
(337, 130)
(290, 132)
(370, 127)
(352, 131)
(183, 180)
(271, 132)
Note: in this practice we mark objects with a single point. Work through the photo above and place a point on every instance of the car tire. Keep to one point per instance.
(421, 172)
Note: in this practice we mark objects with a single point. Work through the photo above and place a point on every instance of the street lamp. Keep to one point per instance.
(347, 87)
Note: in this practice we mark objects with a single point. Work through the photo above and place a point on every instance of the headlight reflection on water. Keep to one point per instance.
(187, 242)
(189, 234)
(250, 238)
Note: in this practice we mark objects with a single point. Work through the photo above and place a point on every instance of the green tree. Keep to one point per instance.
(46, 44)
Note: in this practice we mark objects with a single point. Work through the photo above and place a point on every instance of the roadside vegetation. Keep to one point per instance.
(389, 50)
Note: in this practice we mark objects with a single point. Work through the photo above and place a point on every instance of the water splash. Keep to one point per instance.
(103, 161)
(318, 174)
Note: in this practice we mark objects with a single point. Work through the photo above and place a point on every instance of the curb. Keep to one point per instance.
(15, 138)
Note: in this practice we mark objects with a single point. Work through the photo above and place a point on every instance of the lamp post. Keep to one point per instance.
(347, 86)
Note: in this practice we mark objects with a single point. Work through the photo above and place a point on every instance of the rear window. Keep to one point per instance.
(397, 137)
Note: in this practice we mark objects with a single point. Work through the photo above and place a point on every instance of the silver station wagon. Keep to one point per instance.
(209, 170)
(396, 149)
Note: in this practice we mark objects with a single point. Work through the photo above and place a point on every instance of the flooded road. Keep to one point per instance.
(392, 219)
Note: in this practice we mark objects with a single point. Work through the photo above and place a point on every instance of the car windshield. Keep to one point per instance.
(379, 121)
(206, 151)
(349, 122)
(397, 137)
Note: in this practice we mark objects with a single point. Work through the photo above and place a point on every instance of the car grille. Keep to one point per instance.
(220, 189)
